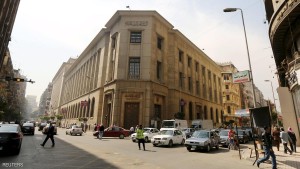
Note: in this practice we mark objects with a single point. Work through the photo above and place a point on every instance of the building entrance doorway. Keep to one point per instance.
(131, 115)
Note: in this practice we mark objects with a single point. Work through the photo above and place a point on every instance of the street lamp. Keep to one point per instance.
(272, 93)
(233, 10)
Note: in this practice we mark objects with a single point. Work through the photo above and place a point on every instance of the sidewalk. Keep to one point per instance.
(284, 161)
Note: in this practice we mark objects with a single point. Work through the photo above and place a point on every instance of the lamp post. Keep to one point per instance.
(273, 97)
(233, 10)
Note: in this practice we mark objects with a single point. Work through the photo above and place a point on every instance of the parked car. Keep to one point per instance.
(243, 137)
(114, 132)
(168, 137)
(188, 132)
(11, 138)
(148, 134)
(224, 139)
(41, 126)
(74, 130)
(28, 128)
(203, 139)
(45, 129)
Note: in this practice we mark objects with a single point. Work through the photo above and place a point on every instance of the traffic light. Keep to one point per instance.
(18, 80)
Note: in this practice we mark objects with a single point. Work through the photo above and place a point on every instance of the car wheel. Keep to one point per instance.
(154, 145)
(188, 148)
(208, 148)
(146, 140)
(66, 133)
(80, 134)
(170, 143)
(121, 136)
(71, 134)
(217, 146)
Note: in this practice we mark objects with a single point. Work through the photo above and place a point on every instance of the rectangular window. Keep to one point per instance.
(197, 87)
(190, 84)
(189, 61)
(158, 70)
(181, 79)
(134, 68)
(159, 42)
(196, 66)
(180, 55)
(228, 110)
(227, 97)
(135, 37)
(226, 86)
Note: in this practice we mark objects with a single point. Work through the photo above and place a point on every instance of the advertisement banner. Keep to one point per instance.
(241, 77)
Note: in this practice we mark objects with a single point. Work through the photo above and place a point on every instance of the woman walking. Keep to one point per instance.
(276, 137)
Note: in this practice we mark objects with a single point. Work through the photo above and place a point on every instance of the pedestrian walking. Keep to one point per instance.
(231, 137)
(293, 139)
(131, 130)
(140, 137)
(276, 137)
(285, 138)
(101, 131)
(267, 146)
(50, 134)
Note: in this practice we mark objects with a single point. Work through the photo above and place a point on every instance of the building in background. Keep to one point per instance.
(284, 25)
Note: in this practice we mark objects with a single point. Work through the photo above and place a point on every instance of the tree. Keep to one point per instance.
(179, 115)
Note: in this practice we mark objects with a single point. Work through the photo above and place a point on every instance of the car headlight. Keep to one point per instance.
(165, 138)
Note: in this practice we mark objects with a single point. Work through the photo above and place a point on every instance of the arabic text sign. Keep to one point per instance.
(241, 77)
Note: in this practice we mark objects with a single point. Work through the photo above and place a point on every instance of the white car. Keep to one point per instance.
(148, 134)
(74, 130)
(168, 137)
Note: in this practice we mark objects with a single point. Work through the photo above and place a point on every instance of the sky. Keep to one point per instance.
(47, 33)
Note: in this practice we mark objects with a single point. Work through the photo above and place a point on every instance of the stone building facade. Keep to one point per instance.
(140, 70)
(284, 32)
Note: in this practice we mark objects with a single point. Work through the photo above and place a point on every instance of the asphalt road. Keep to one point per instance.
(87, 152)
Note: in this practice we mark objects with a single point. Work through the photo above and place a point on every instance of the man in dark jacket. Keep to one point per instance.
(267, 138)
(50, 134)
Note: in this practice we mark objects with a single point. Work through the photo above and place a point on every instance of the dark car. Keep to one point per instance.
(28, 128)
(11, 138)
(41, 126)
(114, 132)
(243, 136)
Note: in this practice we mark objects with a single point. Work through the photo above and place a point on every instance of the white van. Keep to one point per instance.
(174, 123)
(202, 124)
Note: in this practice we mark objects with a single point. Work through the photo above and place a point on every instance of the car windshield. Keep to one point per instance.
(28, 124)
(166, 132)
(146, 130)
(200, 134)
(224, 133)
(167, 124)
(8, 128)
(240, 132)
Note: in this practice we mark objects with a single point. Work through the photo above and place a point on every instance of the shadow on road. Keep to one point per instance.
(62, 156)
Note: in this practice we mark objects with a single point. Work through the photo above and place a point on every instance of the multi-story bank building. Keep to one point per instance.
(284, 32)
(140, 70)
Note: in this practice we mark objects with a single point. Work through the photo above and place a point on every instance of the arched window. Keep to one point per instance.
(205, 113)
(217, 116)
(212, 114)
(93, 107)
(190, 110)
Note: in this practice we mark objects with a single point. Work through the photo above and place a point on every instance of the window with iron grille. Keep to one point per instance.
(134, 68)
(135, 37)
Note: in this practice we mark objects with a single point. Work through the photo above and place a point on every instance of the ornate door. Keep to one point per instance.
(131, 115)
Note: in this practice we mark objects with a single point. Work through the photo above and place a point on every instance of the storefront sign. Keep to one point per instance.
(241, 77)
